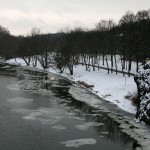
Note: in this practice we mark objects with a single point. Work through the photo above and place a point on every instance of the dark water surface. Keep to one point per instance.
(38, 113)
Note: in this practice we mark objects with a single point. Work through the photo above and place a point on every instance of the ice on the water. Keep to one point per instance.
(19, 100)
(47, 116)
(79, 142)
(85, 126)
(58, 127)
(13, 86)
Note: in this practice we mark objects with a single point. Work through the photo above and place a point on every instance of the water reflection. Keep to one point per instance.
(109, 130)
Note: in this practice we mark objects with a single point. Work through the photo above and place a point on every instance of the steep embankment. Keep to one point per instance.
(142, 79)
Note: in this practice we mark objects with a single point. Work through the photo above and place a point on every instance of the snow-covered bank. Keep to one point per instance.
(110, 87)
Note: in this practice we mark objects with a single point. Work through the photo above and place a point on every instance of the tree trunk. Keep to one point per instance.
(107, 64)
(116, 64)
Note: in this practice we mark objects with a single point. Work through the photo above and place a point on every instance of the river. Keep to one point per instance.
(37, 112)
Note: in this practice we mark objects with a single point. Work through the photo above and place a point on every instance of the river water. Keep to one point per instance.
(37, 112)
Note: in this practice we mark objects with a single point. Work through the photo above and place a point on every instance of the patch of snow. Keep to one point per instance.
(77, 93)
(79, 142)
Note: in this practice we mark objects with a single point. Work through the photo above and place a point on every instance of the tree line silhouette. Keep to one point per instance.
(129, 39)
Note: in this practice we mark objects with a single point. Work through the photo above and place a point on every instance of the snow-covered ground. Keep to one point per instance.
(110, 87)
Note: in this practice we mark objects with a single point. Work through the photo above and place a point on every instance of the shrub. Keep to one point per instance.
(134, 98)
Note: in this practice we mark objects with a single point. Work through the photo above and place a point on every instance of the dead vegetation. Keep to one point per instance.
(88, 86)
(134, 98)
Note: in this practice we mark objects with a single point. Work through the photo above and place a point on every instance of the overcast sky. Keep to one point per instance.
(19, 16)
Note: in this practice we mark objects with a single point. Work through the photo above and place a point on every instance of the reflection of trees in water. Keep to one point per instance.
(42, 79)
(110, 126)
(9, 70)
(50, 84)
(87, 112)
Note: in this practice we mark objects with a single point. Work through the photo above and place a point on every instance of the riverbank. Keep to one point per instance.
(110, 87)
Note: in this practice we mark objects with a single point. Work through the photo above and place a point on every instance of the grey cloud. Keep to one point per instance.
(21, 15)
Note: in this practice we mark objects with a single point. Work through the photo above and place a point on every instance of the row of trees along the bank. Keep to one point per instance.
(129, 39)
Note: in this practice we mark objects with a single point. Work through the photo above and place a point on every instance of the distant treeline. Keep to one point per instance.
(130, 39)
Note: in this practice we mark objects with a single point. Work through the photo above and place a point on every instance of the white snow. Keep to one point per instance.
(110, 87)
(79, 142)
